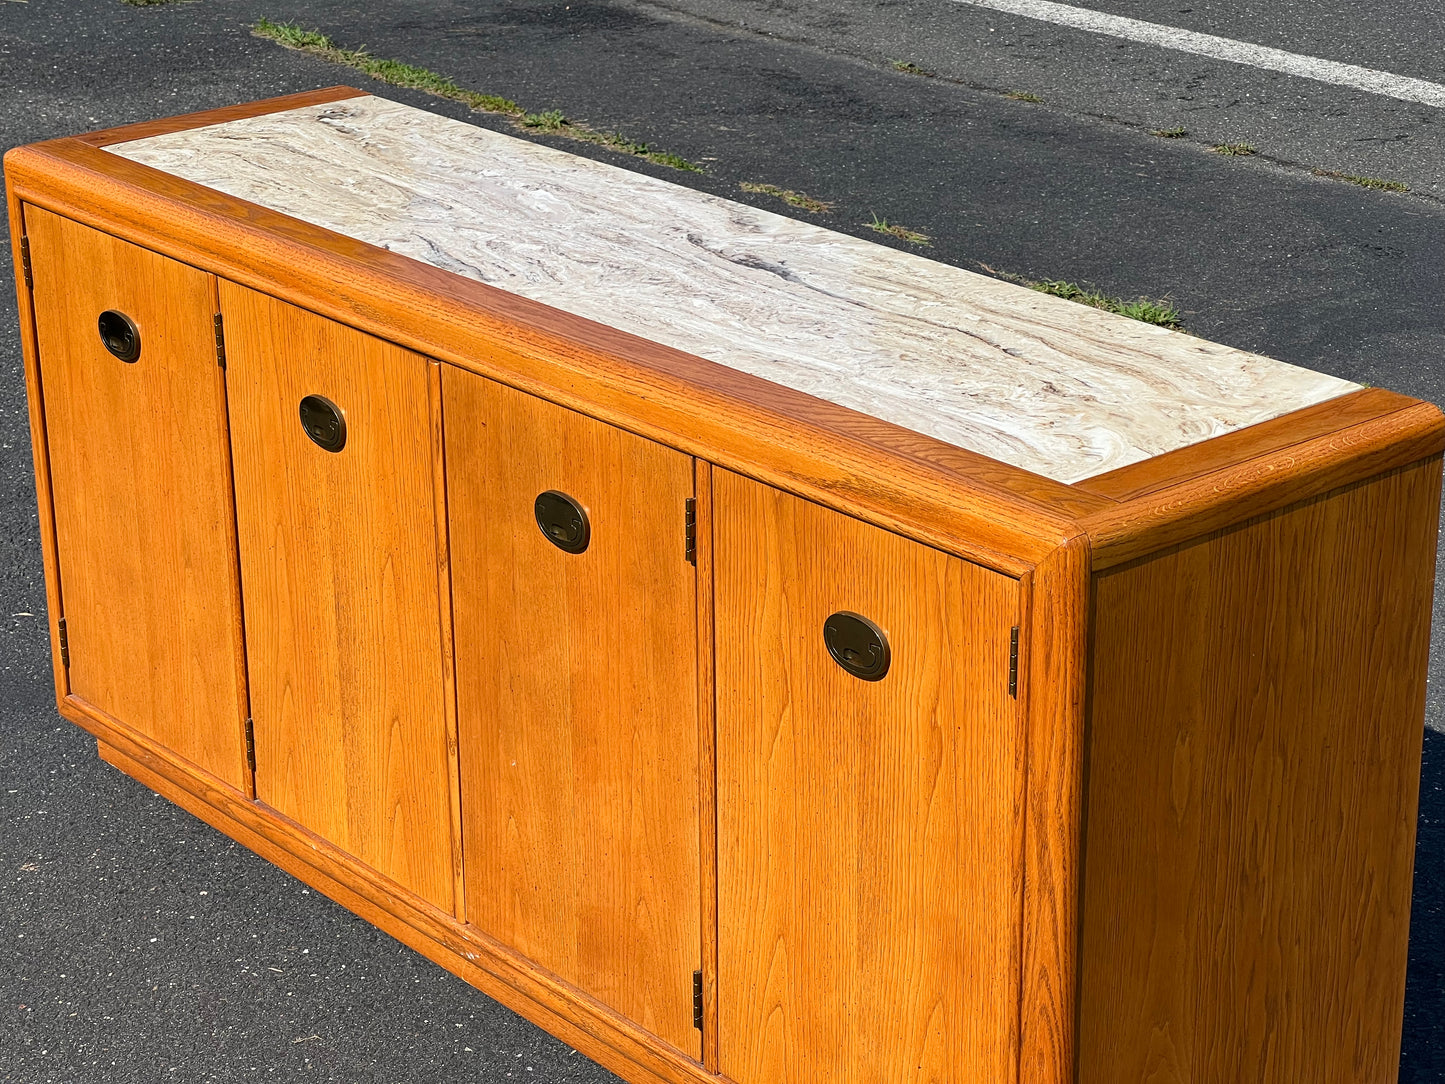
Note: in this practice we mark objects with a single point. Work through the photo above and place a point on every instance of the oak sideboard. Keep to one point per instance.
(747, 651)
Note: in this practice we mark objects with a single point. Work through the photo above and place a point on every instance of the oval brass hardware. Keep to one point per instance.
(562, 521)
(857, 645)
(323, 422)
(119, 335)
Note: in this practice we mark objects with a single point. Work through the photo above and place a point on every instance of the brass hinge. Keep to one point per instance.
(64, 645)
(251, 746)
(697, 1000)
(689, 526)
(25, 263)
(1013, 661)
(220, 343)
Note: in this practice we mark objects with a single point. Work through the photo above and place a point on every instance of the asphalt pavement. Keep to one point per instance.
(1303, 124)
(138, 945)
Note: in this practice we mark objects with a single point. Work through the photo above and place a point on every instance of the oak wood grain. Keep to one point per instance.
(1000, 516)
(437, 438)
(1053, 666)
(339, 560)
(141, 492)
(895, 892)
(1253, 766)
(237, 628)
(1258, 486)
(39, 446)
(472, 957)
(707, 757)
(577, 701)
(1265, 438)
(590, 1027)
(868, 908)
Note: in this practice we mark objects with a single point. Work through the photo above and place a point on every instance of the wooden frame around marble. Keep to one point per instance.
(1054, 537)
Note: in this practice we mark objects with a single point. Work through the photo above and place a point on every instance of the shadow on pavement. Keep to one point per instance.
(1423, 1054)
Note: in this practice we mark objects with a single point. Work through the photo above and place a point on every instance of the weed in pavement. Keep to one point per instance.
(399, 74)
(1144, 309)
(1141, 308)
(910, 68)
(1022, 96)
(787, 195)
(1236, 150)
(550, 121)
(1170, 133)
(882, 225)
(1363, 182)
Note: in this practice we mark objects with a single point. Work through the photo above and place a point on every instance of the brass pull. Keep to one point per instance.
(323, 422)
(857, 645)
(563, 521)
(119, 335)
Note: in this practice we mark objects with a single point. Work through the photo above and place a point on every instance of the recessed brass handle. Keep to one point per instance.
(562, 521)
(323, 422)
(857, 645)
(119, 335)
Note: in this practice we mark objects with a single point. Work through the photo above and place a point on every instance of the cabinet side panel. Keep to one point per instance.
(1252, 775)
(141, 492)
(339, 565)
(39, 440)
(867, 830)
(577, 701)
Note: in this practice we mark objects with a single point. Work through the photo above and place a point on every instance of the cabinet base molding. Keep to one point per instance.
(470, 955)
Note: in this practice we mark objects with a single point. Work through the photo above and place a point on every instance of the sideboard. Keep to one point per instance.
(747, 651)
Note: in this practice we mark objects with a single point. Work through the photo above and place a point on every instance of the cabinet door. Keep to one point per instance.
(868, 834)
(142, 492)
(339, 565)
(576, 695)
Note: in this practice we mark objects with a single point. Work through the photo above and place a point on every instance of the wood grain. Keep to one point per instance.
(437, 438)
(1258, 486)
(868, 909)
(894, 890)
(141, 492)
(1053, 665)
(1005, 518)
(588, 1026)
(108, 137)
(39, 447)
(577, 702)
(340, 562)
(1253, 765)
(237, 629)
(1266, 438)
(707, 758)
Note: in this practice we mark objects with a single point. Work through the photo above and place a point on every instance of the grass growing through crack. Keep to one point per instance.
(1141, 308)
(913, 237)
(1364, 182)
(399, 74)
(1146, 310)
(1236, 150)
(1022, 96)
(552, 120)
(910, 68)
(1170, 133)
(787, 195)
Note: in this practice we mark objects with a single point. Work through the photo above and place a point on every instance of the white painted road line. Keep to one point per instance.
(1402, 87)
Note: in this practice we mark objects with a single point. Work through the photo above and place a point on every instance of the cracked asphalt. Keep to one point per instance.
(138, 945)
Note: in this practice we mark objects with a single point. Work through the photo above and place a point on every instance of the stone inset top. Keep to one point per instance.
(1035, 381)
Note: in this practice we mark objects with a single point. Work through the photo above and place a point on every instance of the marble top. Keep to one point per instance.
(1035, 381)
